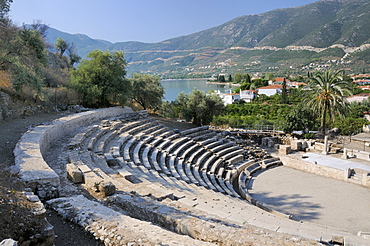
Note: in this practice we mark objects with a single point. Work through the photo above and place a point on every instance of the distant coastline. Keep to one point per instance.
(223, 83)
(186, 79)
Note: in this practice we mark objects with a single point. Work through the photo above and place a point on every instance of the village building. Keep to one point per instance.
(362, 81)
(270, 90)
(229, 97)
(279, 81)
(248, 95)
(296, 84)
(358, 98)
(364, 87)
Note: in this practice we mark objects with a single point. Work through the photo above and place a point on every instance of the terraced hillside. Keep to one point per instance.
(329, 33)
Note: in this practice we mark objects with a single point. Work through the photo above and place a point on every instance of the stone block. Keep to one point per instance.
(270, 143)
(265, 141)
(337, 240)
(284, 149)
(8, 242)
(107, 188)
(296, 145)
(74, 173)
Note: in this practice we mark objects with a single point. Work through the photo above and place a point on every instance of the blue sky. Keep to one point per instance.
(139, 20)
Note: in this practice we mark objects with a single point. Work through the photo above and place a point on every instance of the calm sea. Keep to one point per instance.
(174, 86)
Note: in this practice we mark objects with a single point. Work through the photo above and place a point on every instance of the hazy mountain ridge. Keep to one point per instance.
(319, 25)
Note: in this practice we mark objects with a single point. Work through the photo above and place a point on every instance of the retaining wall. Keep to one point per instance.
(309, 167)
(29, 151)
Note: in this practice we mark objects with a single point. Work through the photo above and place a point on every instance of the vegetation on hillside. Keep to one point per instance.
(100, 80)
(277, 41)
(326, 97)
(196, 107)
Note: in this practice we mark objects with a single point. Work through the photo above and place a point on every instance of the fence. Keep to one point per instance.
(257, 127)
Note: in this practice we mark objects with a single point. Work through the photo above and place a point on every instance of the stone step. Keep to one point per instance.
(114, 228)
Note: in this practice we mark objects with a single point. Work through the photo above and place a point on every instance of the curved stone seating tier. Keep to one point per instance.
(132, 150)
(182, 148)
(199, 133)
(30, 149)
(79, 138)
(208, 141)
(176, 144)
(186, 154)
(180, 156)
(218, 146)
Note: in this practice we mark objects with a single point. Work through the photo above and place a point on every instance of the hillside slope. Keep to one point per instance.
(281, 39)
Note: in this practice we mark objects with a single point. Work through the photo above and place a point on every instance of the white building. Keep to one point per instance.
(270, 90)
(247, 95)
(229, 98)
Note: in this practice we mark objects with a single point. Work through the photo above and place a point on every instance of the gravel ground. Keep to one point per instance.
(312, 198)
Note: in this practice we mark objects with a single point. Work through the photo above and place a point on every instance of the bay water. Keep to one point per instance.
(173, 87)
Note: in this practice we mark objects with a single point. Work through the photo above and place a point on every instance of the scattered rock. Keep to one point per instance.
(107, 188)
(8, 242)
(74, 173)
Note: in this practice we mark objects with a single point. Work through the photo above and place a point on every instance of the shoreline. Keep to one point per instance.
(223, 83)
(186, 79)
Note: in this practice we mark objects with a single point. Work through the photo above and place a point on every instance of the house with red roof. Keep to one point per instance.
(281, 80)
(296, 84)
(270, 90)
(359, 97)
(365, 87)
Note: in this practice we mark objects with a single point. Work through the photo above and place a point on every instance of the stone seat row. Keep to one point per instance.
(148, 144)
(166, 156)
(100, 134)
(246, 171)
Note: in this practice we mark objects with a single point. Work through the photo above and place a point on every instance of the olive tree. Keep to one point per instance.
(199, 107)
(100, 80)
(147, 91)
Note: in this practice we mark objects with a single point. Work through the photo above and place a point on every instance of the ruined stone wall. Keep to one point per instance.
(30, 149)
(309, 167)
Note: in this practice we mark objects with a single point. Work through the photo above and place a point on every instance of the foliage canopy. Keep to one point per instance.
(326, 97)
(101, 80)
(147, 90)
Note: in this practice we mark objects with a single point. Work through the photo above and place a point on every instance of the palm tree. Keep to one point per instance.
(327, 95)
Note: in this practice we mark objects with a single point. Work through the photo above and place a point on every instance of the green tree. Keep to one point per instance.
(28, 60)
(326, 97)
(284, 92)
(147, 90)
(245, 86)
(230, 78)
(61, 46)
(298, 119)
(4, 8)
(246, 78)
(101, 80)
(221, 78)
(259, 83)
(238, 78)
(199, 107)
(269, 77)
(73, 56)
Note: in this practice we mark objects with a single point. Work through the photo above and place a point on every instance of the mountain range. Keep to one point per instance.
(327, 33)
